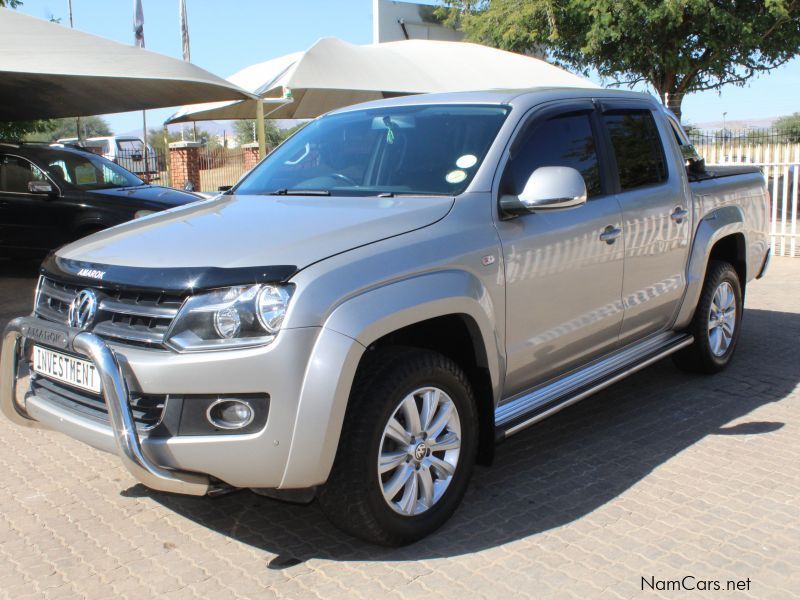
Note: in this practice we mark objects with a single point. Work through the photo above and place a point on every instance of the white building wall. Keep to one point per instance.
(389, 18)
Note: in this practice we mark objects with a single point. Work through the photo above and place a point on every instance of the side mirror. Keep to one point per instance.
(548, 188)
(696, 167)
(40, 187)
(695, 164)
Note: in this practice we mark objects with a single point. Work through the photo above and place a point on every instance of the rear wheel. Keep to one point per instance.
(407, 448)
(716, 323)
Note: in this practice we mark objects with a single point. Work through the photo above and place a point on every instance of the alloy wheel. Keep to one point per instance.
(722, 319)
(419, 451)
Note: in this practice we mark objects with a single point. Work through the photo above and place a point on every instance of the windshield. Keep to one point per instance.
(90, 172)
(418, 150)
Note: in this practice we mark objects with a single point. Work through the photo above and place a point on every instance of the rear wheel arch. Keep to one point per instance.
(720, 236)
(731, 249)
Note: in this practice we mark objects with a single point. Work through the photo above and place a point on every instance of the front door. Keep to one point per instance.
(657, 216)
(28, 221)
(563, 282)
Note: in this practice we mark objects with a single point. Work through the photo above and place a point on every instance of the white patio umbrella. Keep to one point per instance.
(48, 70)
(334, 73)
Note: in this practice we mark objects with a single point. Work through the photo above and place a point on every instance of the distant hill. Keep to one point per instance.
(215, 128)
(760, 123)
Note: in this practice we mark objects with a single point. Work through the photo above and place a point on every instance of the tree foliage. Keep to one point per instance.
(155, 137)
(245, 132)
(14, 131)
(90, 127)
(56, 129)
(676, 46)
(789, 127)
(11, 3)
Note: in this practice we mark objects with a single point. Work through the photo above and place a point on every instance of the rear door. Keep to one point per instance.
(563, 279)
(653, 195)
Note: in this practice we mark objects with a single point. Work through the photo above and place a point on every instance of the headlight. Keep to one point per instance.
(142, 213)
(271, 304)
(236, 317)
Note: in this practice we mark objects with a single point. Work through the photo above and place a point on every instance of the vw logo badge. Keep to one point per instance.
(83, 309)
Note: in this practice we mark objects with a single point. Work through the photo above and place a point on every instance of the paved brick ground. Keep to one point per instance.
(665, 475)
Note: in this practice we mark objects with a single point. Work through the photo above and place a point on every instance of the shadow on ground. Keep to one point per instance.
(555, 472)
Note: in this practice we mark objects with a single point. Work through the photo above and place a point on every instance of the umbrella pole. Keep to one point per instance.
(262, 141)
(166, 157)
(146, 162)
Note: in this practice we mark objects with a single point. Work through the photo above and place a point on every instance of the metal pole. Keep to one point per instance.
(146, 161)
(166, 157)
(77, 119)
(262, 141)
(724, 134)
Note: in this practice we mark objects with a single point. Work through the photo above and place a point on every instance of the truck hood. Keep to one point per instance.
(250, 231)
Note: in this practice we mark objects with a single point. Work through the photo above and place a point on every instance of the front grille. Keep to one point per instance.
(137, 318)
(146, 408)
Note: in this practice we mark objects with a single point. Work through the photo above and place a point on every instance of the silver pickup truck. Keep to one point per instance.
(395, 289)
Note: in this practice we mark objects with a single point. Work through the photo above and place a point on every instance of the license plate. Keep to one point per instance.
(67, 369)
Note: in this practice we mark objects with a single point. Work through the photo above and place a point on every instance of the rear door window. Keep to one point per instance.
(637, 148)
(561, 141)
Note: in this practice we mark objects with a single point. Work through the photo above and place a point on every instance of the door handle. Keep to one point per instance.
(610, 234)
(679, 214)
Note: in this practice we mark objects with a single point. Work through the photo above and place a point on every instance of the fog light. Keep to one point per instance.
(229, 413)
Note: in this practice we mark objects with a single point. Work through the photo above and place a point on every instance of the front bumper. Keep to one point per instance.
(16, 406)
(306, 372)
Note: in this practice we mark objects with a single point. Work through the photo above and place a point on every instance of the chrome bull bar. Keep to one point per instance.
(115, 394)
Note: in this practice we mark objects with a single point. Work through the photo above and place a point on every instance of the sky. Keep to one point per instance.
(228, 35)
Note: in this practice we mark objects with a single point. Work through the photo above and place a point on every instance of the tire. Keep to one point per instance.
(716, 323)
(355, 497)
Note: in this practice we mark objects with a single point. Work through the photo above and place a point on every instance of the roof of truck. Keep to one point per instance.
(497, 97)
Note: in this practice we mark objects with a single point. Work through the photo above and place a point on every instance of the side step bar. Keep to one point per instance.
(531, 407)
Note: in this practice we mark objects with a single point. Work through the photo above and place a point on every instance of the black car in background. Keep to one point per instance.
(53, 194)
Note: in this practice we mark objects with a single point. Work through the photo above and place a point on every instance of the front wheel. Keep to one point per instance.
(407, 448)
(716, 323)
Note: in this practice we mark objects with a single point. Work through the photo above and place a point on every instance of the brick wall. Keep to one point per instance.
(250, 155)
(184, 164)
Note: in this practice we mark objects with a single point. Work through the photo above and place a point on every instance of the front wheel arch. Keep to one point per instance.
(355, 497)
(458, 337)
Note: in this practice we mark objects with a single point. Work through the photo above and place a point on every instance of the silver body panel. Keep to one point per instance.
(656, 248)
(563, 289)
(546, 295)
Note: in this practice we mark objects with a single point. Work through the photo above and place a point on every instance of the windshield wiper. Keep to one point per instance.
(288, 192)
(421, 194)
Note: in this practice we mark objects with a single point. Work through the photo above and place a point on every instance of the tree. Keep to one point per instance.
(676, 46)
(90, 127)
(245, 132)
(15, 131)
(155, 137)
(11, 3)
(789, 127)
